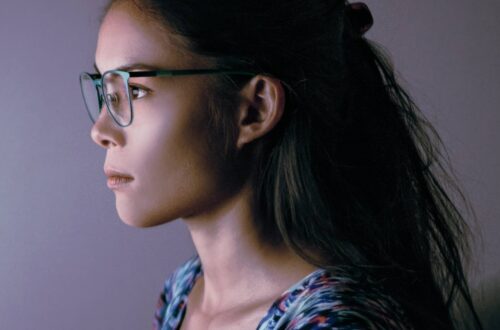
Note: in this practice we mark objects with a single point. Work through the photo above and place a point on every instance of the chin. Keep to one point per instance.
(141, 222)
(137, 223)
(138, 219)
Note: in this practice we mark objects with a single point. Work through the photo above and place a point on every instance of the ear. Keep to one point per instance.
(261, 108)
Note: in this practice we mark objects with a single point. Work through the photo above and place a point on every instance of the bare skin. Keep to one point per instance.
(177, 176)
(241, 278)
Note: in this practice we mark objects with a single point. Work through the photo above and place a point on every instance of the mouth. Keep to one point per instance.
(117, 179)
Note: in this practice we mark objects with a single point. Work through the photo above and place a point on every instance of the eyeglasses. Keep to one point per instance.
(112, 88)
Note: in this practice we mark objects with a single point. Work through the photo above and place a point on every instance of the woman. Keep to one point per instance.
(305, 174)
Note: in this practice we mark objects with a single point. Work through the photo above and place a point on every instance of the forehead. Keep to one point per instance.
(126, 36)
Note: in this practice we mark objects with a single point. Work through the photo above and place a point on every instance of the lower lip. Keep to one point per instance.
(116, 182)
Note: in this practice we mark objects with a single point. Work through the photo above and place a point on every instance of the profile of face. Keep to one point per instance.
(165, 150)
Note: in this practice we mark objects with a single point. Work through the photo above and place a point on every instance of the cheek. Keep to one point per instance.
(174, 170)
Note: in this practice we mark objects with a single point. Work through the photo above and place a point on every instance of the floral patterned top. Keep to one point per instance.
(344, 300)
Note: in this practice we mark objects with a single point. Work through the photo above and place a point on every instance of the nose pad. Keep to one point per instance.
(100, 101)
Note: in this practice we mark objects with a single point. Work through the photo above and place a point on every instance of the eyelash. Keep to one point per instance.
(140, 88)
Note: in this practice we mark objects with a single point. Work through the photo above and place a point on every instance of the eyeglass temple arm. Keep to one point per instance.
(166, 73)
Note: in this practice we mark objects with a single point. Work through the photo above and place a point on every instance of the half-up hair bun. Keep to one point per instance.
(360, 17)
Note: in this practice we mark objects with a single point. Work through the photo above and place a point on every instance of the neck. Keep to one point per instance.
(235, 262)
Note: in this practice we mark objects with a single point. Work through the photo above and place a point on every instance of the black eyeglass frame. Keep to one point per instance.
(98, 81)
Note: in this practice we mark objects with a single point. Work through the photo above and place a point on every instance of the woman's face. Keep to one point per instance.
(165, 150)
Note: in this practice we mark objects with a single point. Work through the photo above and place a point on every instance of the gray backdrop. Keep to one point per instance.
(67, 261)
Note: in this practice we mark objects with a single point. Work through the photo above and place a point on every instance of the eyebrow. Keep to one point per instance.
(132, 66)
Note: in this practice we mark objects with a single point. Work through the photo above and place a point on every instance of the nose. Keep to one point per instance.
(105, 132)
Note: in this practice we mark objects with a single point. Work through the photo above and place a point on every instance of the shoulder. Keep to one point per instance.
(340, 299)
(175, 286)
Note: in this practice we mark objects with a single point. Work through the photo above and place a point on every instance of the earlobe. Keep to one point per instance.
(262, 107)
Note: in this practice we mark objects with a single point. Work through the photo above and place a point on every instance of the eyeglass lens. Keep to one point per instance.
(115, 94)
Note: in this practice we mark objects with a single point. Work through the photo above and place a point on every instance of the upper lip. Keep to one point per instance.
(113, 172)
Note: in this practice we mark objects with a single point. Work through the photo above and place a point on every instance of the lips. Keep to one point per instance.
(116, 178)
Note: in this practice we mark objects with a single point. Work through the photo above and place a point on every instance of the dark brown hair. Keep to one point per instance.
(353, 174)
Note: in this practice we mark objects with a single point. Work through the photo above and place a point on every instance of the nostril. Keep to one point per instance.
(97, 136)
(105, 143)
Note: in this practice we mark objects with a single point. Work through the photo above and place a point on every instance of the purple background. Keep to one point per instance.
(67, 261)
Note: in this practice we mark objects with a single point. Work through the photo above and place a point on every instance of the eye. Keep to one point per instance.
(137, 92)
